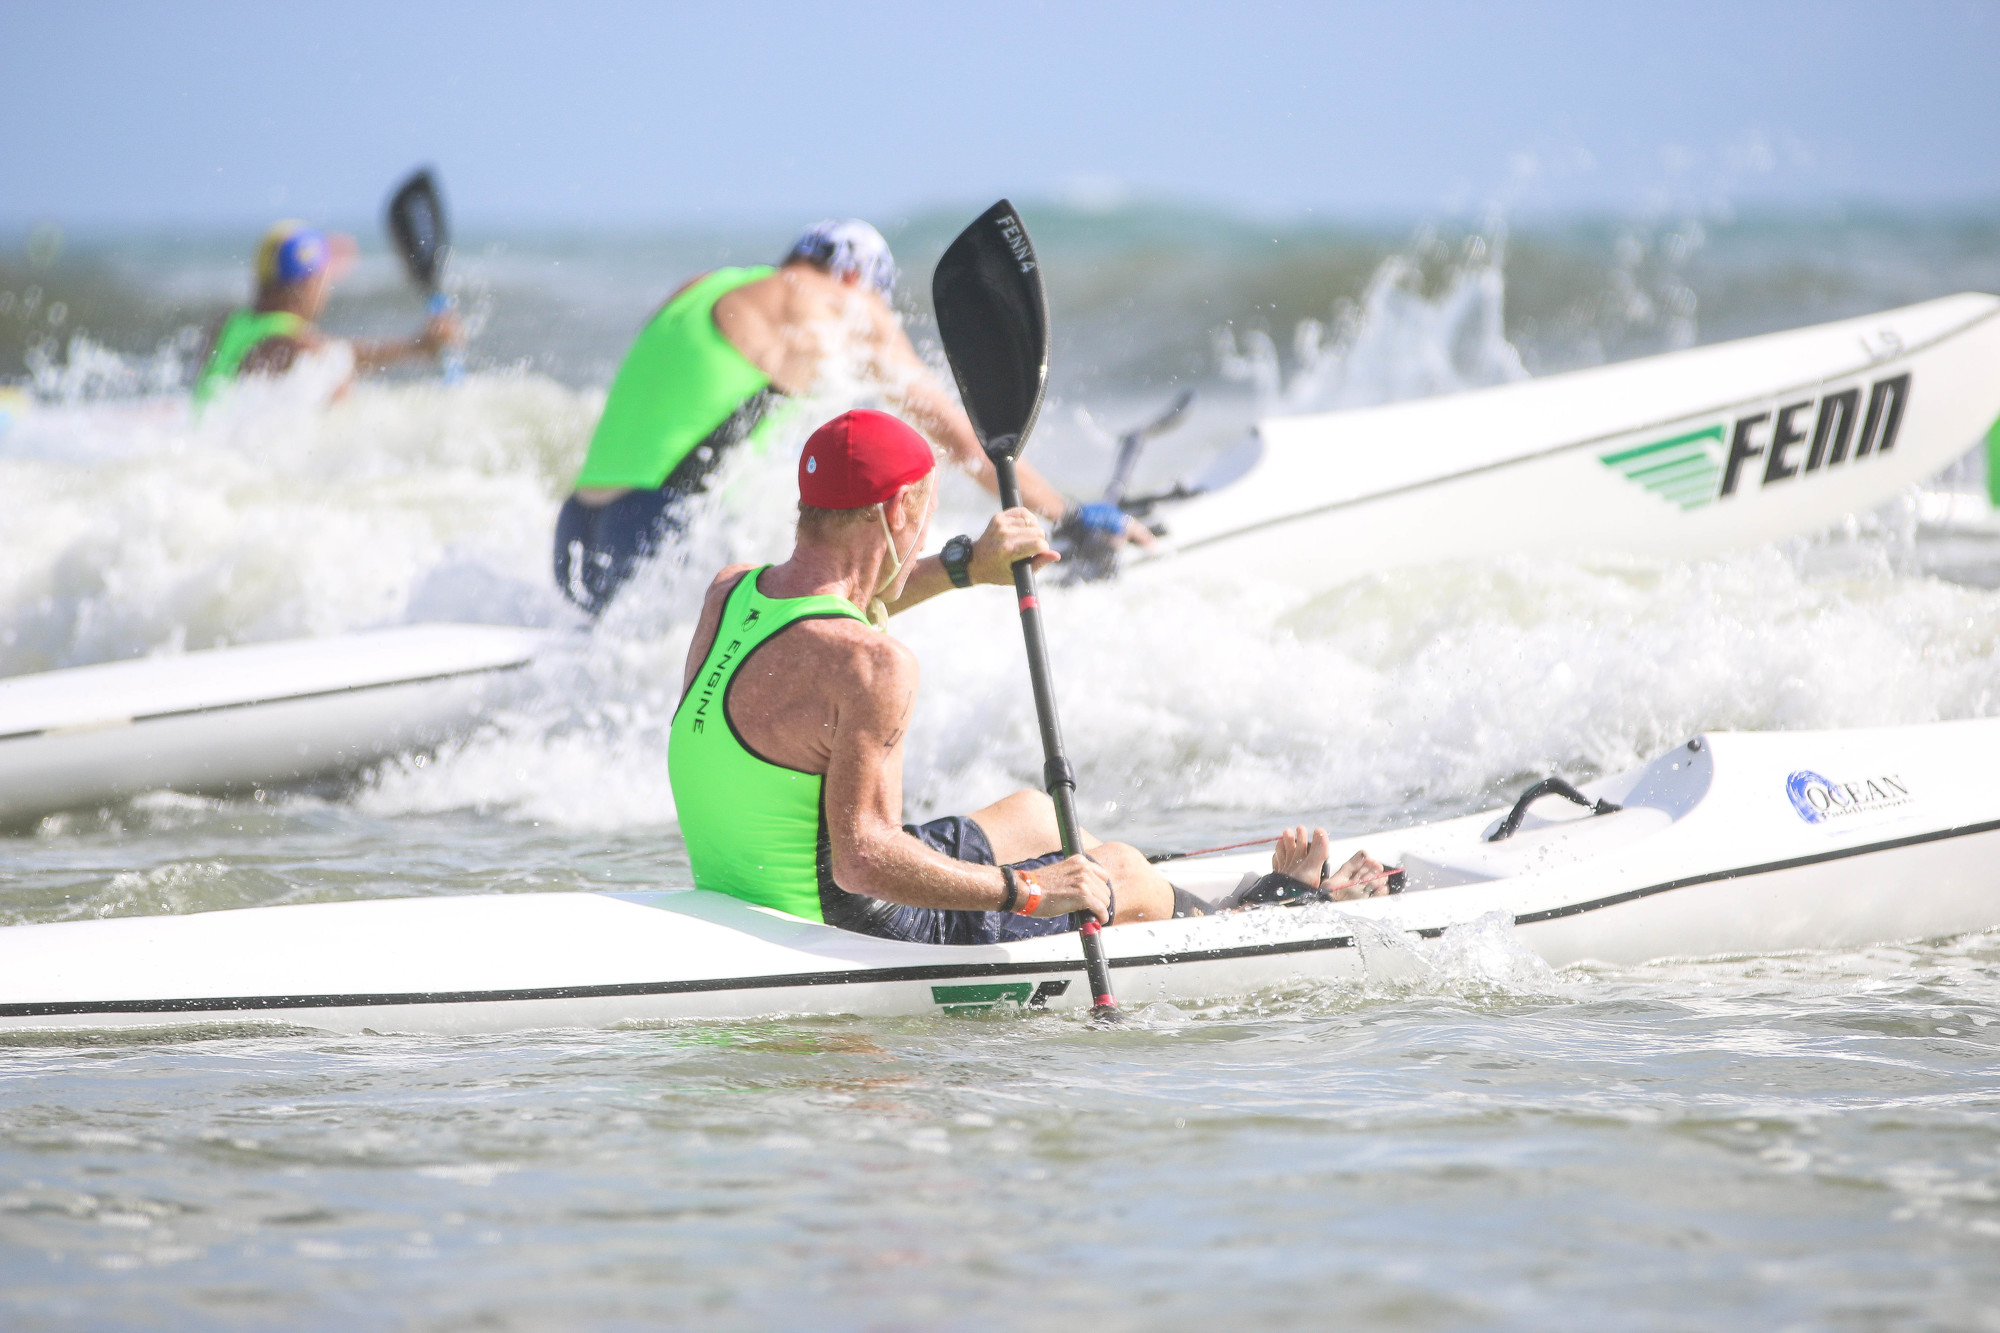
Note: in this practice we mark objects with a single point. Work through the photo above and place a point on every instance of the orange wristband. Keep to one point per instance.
(1034, 891)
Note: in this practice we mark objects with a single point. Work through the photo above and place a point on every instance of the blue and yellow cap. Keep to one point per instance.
(290, 252)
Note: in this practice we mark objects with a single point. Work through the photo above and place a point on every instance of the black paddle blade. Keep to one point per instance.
(416, 224)
(994, 320)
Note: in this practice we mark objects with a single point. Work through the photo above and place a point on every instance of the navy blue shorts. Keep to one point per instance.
(599, 547)
(962, 840)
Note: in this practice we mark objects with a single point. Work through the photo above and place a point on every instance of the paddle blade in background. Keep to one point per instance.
(417, 225)
(994, 319)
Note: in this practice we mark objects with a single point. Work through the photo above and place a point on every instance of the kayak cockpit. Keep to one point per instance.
(1543, 833)
(1547, 833)
(1552, 846)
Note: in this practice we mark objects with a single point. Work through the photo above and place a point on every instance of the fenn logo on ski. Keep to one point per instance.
(1769, 448)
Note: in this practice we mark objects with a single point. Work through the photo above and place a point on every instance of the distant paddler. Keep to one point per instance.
(706, 375)
(297, 266)
(14, 406)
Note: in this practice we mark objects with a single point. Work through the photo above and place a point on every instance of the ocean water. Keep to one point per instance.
(1472, 1142)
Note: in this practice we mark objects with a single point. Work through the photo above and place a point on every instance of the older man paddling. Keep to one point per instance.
(786, 753)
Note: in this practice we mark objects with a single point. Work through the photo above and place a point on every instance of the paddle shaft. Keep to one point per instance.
(1057, 778)
(451, 362)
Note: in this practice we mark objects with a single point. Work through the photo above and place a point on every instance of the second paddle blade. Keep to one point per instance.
(416, 223)
(994, 319)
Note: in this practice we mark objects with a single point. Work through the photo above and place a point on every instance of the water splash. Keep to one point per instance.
(1215, 706)
(135, 529)
(88, 371)
(1396, 343)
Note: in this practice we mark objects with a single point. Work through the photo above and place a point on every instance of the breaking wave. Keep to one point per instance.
(1220, 704)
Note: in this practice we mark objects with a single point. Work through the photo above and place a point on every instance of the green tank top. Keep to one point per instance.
(753, 828)
(681, 380)
(239, 336)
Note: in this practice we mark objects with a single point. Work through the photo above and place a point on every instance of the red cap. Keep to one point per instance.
(861, 458)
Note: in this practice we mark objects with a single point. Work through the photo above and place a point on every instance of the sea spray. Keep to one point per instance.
(1474, 960)
(134, 529)
(1394, 344)
(1219, 703)
(585, 744)
(1212, 705)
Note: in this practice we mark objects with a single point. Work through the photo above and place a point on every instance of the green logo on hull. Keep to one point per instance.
(971, 999)
(992, 994)
(1682, 471)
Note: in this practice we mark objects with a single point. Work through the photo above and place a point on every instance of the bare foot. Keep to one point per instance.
(1361, 877)
(1301, 855)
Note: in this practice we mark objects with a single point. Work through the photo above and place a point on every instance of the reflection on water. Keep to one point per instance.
(1805, 1141)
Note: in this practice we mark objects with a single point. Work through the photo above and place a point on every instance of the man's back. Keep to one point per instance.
(789, 324)
(771, 682)
(786, 697)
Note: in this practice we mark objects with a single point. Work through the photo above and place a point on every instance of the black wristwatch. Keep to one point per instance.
(957, 558)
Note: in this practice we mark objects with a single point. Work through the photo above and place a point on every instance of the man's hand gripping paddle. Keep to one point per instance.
(417, 226)
(994, 319)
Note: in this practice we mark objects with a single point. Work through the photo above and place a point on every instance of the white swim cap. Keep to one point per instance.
(848, 247)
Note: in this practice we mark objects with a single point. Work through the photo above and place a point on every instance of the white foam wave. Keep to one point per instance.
(1220, 702)
(132, 529)
(1394, 344)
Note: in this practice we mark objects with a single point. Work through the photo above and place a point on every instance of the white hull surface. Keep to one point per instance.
(228, 719)
(1675, 456)
(1732, 844)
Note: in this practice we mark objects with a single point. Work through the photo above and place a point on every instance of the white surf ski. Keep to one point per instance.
(227, 719)
(1729, 844)
(1676, 456)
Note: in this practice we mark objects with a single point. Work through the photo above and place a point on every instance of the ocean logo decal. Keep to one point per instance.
(976, 999)
(1793, 440)
(1821, 800)
(1803, 781)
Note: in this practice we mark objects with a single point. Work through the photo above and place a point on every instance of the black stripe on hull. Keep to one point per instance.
(1768, 867)
(927, 972)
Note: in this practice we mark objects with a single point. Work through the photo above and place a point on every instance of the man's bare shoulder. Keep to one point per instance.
(722, 585)
(770, 294)
(857, 657)
(864, 678)
(711, 616)
(809, 294)
(882, 316)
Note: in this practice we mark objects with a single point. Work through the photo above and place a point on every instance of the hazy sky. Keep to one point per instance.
(629, 113)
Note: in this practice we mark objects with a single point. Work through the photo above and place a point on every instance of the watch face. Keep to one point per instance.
(957, 557)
